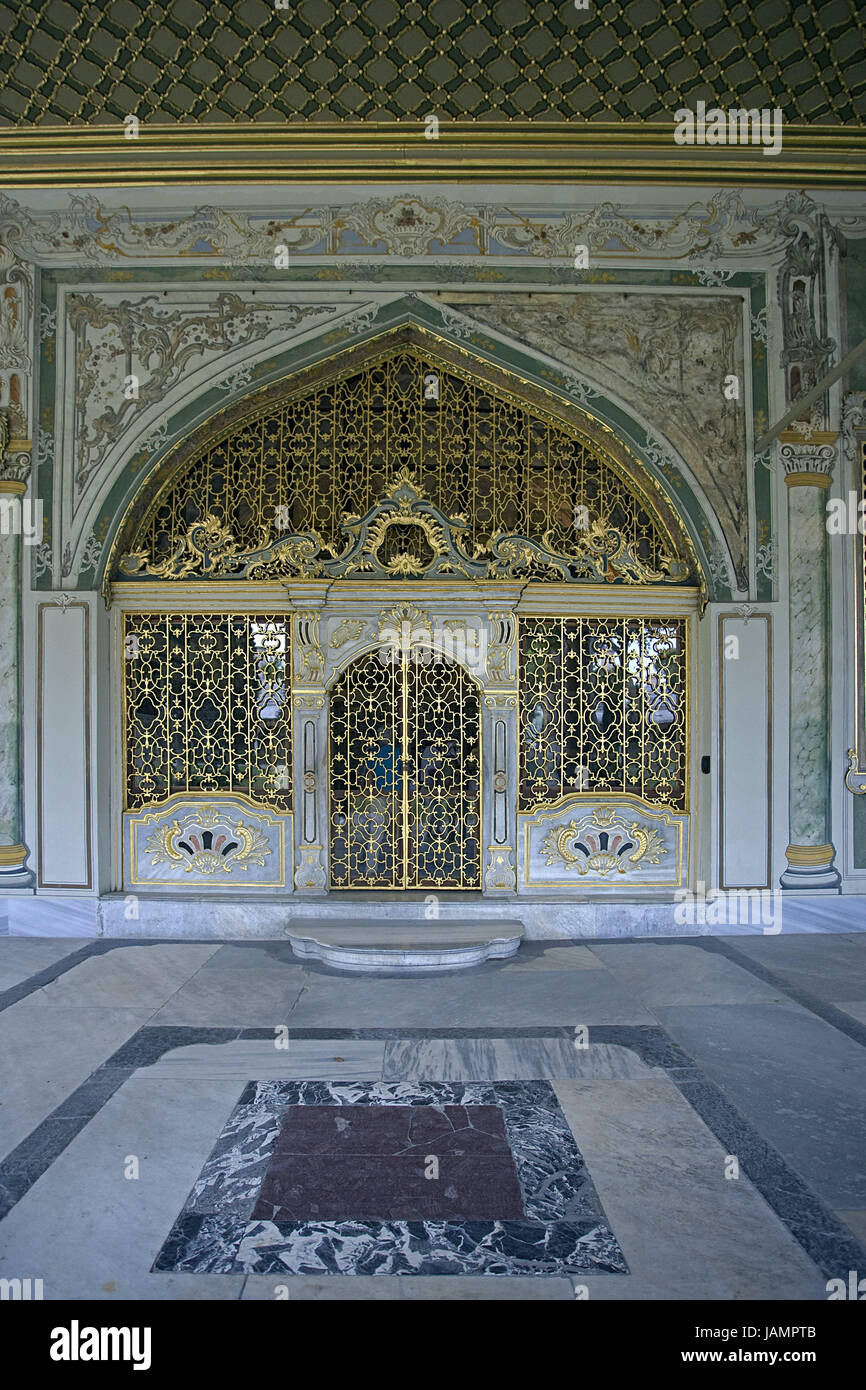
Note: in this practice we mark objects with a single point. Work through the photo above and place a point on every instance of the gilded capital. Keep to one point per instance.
(14, 454)
(808, 463)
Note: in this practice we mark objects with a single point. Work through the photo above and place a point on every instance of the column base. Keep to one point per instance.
(311, 877)
(810, 868)
(13, 867)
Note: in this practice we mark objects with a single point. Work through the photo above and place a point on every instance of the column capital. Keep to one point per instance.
(808, 462)
(14, 458)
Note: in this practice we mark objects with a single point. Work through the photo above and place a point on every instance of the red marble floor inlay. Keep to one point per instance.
(391, 1163)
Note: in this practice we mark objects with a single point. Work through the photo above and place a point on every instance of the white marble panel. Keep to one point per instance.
(744, 743)
(63, 746)
(41, 915)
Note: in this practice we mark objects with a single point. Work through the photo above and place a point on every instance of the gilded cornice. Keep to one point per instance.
(606, 152)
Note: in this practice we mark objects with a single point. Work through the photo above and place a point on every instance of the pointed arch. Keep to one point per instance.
(283, 482)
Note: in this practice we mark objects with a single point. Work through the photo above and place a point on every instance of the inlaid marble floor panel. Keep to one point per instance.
(686, 1229)
(443, 1137)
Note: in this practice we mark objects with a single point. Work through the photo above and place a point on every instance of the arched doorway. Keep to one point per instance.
(405, 773)
(531, 734)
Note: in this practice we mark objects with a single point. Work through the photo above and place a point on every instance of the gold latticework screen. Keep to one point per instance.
(309, 463)
(405, 774)
(207, 706)
(603, 708)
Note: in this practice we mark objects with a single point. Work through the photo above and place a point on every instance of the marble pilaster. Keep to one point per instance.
(810, 854)
(13, 485)
(310, 739)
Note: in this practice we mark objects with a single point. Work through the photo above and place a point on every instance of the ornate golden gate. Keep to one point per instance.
(405, 773)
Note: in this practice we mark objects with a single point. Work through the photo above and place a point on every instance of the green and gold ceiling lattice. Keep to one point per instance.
(382, 60)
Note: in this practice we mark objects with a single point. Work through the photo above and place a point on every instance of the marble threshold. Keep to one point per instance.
(201, 917)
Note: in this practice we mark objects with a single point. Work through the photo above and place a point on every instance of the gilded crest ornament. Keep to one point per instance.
(208, 841)
(601, 843)
(476, 486)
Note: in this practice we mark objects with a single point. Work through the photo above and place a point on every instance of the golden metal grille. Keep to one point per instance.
(603, 708)
(300, 474)
(207, 706)
(405, 774)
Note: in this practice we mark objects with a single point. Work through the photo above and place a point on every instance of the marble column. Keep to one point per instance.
(810, 854)
(14, 471)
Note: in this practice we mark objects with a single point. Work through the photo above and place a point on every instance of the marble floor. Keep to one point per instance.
(656, 1119)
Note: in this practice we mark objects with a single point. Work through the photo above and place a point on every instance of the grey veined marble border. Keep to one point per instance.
(565, 1230)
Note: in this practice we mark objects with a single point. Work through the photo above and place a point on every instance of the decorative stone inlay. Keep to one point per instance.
(207, 842)
(551, 1222)
(603, 843)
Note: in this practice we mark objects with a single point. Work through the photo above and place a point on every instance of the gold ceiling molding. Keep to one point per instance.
(396, 152)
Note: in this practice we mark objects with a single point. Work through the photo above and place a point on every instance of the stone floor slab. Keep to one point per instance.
(23, 956)
(303, 1059)
(476, 999)
(799, 1081)
(47, 1054)
(686, 1230)
(490, 1059)
(681, 973)
(112, 1230)
(129, 977)
(827, 967)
